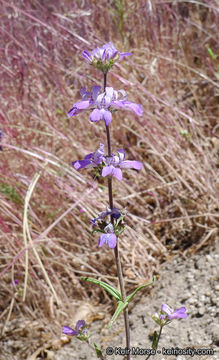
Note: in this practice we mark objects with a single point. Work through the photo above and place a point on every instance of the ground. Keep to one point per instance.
(191, 282)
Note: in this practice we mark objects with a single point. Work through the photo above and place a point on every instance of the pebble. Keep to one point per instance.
(186, 296)
(214, 300)
(192, 301)
(202, 298)
(201, 310)
(209, 258)
(217, 287)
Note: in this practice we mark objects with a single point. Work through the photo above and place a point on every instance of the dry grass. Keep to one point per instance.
(172, 203)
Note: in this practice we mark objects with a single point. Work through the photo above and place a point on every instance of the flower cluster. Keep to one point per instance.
(109, 231)
(167, 314)
(103, 58)
(102, 104)
(111, 165)
(115, 213)
(80, 331)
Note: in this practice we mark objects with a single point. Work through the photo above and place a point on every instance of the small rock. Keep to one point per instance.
(185, 296)
(209, 258)
(201, 310)
(192, 301)
(214, 300)
(202, 298)
(217, 287)
(200, 263)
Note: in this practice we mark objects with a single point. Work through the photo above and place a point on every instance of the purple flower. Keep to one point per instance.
(88, 100)
(103, 58)
(115, 163)
(78, 330)
(14, 283)
(168, 313)
(113, 166)
(115, 213)
(102, 104)
(91, 160)
(109, 237)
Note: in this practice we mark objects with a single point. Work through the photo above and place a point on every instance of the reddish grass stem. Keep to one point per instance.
(116, 250)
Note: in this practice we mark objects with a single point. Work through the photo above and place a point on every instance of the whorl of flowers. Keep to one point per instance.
(103, 58)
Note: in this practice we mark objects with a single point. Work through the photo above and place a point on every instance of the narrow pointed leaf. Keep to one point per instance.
(110, 289)
(155, 341)
(98, 351)
(129, 298)
(120, 307)
(211, 53)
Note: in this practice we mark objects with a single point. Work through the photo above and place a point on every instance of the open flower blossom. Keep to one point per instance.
(167, 314)
(115, 213)
(112, 165)
(102, 104)
(91, 160)
(116, 163)
(103, 58)
(79, 331)
(109, 237)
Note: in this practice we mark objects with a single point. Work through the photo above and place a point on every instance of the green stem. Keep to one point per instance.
(116, 249)
(158, 339)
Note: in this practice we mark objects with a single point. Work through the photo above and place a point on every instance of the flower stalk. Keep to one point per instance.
(116, 249)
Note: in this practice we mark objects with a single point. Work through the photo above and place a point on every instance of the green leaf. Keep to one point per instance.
(98, 351)
(211, 53)
(120, 307)
(155, 341)
(115, 293)
(10, 193)
(129, 298)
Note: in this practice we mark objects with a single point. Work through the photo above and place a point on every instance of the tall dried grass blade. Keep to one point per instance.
(26, 234)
